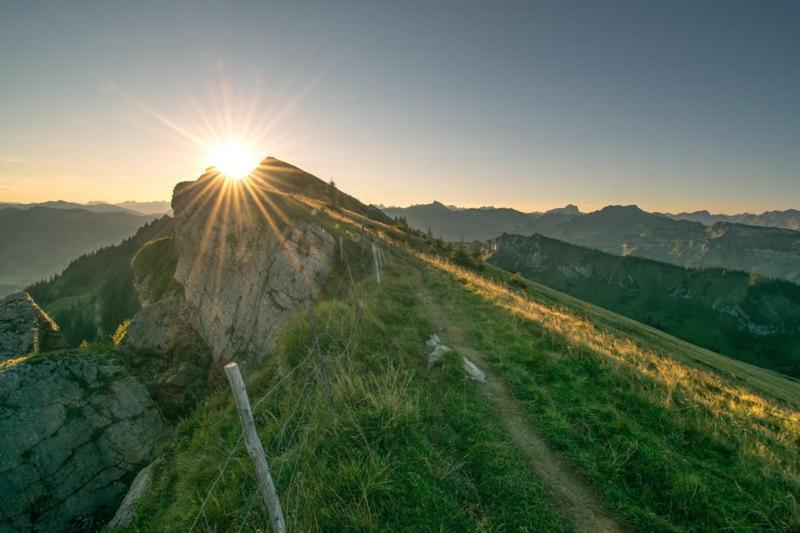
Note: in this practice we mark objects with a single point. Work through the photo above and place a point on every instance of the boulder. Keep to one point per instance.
(74, 430)
(127, 509)
(472, 370)
(436, 355)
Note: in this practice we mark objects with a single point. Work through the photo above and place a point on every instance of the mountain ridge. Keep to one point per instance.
(629, 230)
(39, 242)
(130, 207)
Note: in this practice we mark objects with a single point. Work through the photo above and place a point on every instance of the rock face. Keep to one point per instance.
(239, 261)
(20, 321)
(242, 273)
(243, 265)
(169, 355)
(74, 429)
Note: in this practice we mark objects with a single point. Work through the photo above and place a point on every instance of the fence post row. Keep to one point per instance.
(254, 448)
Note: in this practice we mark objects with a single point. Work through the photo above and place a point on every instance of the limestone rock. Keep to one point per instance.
(437, 350)
(433, 341)
(74, 428)
(436, 355)
(20, 319)
(169, 355)
(472, 370)
(244, 278)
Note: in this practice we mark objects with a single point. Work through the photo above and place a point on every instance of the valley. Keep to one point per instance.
(39, 242)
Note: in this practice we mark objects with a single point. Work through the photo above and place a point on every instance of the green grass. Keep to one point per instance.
(668, 444)
(394, 448)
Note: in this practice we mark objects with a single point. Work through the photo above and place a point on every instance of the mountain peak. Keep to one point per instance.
(629, 208)
(569, 209)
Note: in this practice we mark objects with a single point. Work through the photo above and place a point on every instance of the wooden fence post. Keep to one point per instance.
(376, 263)
(254, 448)
(35, 336)
(349, 270)
(363, 240)
(341, 249)
(320, 358)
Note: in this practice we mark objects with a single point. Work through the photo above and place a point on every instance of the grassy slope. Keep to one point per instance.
(394, 449)
(671, 436)
(688, 303)
(668, 443)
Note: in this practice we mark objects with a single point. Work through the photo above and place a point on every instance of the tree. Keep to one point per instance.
(460, 256)
(333, 194)
(476, 253)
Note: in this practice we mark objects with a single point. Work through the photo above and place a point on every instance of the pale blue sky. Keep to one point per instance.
(671, 105)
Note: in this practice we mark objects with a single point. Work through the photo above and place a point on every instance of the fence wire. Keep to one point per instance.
(318, 335)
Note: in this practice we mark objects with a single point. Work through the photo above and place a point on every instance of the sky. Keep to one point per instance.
(671, 105)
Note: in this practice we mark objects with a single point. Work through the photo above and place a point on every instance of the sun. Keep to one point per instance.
(234, 159)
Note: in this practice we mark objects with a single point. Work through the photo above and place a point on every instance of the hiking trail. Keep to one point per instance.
(571, 494)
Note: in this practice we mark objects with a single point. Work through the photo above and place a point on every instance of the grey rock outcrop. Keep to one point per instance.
(74, 429)
(20, 320)
(472, 370)
(240, 262)
(169, 355)
(245, 271)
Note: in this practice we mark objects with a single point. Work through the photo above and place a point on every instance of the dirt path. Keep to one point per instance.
(571, 494)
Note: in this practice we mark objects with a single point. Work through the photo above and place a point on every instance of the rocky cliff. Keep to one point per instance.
(74, 429)
(244, 256)
(25, 327)
(245, 269)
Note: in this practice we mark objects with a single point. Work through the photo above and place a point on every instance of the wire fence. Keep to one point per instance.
(318, 333)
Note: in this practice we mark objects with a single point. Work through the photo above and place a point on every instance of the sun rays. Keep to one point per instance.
(235, 160)
(240, 193)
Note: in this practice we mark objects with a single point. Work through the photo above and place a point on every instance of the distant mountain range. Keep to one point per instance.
(789, 219)
(755, 320)
(464, 224)
(37, 242)
(626, 230)
(130, 207)
(95, 293)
